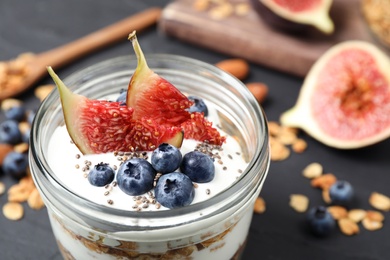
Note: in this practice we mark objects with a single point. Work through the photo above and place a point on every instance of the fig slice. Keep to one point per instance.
(98, 126)
(344, 101)
(153, 96)
(296, 15)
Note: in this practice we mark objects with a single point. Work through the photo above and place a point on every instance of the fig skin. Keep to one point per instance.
(277, 22)
(287, 21)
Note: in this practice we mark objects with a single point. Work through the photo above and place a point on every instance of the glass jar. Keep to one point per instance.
(213, 229)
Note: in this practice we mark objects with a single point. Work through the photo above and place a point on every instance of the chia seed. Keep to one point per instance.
(106, 193)
(230, 157)
(224, 168)
(77, 166)
(78, 156)
(110, 201)
(208, 191)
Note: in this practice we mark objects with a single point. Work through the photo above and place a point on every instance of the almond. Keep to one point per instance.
(326, 196)
(259, 90)
(273, 128)
(201, 5)
(279, 151)
(259, 205)
(348, 227)
(237, 67)
(2, 188)
(313, 170)
(41, 92)
(380, 201)
(357, 215)
(299, 145)
(34, 200)
(13, 210)
(4, 150)
(324, 181)
(221, 11)
(299, 202)
(9, 103)
(371, 225)
(375, 215)
(338, 212)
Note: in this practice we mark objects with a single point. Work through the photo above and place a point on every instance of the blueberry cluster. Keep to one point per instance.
(15, 130)
(319, 219)
(170, 174)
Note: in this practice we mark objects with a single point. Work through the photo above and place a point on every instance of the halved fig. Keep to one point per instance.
(153, 96)
(345, 98)
(296, 15)
(98, 126)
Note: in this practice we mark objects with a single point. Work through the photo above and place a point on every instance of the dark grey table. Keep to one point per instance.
(280, 232)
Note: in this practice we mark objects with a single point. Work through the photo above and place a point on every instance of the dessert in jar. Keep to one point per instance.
(162, 210)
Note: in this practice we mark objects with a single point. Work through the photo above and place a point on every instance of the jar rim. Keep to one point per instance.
(261, 154)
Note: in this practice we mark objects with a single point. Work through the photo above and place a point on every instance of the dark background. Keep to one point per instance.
(279, 233)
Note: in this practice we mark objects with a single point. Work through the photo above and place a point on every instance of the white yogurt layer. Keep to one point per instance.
(67, 163)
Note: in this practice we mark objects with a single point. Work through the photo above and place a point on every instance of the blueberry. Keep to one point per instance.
(174, 190)
(341, 193)
(135, 176)
(101, 174)
(17, 113)
(122, 96)
(15, 164)
(198, 106)
(9, 132)
(198, 166)
(320, 221)
(166, 158)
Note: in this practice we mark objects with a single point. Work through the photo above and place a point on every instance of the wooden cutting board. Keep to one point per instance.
(250, 38)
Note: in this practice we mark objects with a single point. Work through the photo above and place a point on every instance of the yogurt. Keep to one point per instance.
(71, 167)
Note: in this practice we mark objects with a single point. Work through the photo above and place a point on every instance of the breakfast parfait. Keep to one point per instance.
(160, 170)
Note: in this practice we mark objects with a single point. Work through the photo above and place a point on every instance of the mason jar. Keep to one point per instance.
(216, 228)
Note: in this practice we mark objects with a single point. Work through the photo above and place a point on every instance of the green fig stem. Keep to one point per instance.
(62, 88)
(324, 24)
(142, 65)
(69, 102)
